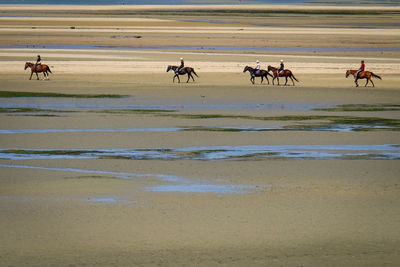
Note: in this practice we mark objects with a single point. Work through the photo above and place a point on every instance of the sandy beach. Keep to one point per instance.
(111, 163)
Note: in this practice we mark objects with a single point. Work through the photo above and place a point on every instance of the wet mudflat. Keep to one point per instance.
(111, 163)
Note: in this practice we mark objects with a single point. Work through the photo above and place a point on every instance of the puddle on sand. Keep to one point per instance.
(178, 184)
(111, 200)
(204, 188)
(252, 152)
(120, 175)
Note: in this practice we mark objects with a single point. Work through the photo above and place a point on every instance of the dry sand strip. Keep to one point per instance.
(76, 67)
(276, 7)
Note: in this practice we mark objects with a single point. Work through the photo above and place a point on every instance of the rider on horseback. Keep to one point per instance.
(37, 62)
(181, 66)
(361, 69)
(258, 68)
(281, 68)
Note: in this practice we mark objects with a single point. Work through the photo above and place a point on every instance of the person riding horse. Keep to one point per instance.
(361, 69)
(281, 68)
(181, 66)
(258, 68)
(37, 62)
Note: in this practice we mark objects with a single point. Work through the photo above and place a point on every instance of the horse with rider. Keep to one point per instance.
(38, 67)
(361, 73)
(257, 72)
(281, 72)
(182, 70)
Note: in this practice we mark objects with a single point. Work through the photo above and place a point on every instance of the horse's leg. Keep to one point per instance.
(291, 79)
(37, 76)
(252, 79)
(191, 76)
(188, 74)
(366, 82)
(266, 77)
(30, 78)
(285, 80)
(262, 79)
(356, 82)
(373, 85)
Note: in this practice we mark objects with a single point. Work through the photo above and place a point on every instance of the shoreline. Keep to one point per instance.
(214, 172)
(269, 7)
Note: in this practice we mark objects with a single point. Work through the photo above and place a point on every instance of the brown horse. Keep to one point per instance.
(39, 68)
(363, 75)
(253, 73)
(183, 71)
(285, 73)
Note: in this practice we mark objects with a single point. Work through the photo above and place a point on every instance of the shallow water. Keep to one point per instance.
(106, 199)
(153, 104)
(204, 188)
(120, 175)
(326, 152)
(198, 2)
(178, 184)
(331, 128)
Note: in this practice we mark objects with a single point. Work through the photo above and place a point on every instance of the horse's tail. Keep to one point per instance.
(294, 78)
(376, 76)
(195, 73)
(48, 68)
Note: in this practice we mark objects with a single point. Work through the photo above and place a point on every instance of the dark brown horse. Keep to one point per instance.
(183, 71)
(253, 73)
(285, 73)
(363, 75)
(39, 68)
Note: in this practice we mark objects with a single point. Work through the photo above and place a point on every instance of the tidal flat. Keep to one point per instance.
(111, 163)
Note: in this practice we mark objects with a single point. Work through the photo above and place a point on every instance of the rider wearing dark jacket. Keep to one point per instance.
(181, 66)
(37, 62)
(281, 68)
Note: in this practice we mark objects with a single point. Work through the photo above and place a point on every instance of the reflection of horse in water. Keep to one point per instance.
(39, 68)
(363, 75)
(183, 71)
(253, 73)
(285, 73)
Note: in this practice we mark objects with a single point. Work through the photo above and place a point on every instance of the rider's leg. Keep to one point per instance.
(358, 73)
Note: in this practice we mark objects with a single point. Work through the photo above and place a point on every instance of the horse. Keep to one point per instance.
(363, 75)
(253, 74)
(39, 68)
(285, 73)
(183, 71)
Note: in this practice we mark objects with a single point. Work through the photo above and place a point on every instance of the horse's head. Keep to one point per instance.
(270, 68)
(169, 68)
(247, 68)
(27, 65)
(347, 73)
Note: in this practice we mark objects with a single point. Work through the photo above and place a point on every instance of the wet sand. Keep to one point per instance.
(243, 211)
